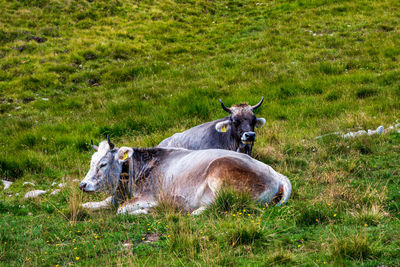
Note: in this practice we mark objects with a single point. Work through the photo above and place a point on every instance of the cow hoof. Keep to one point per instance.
(141, 211)
(124, 210)
(198, 211)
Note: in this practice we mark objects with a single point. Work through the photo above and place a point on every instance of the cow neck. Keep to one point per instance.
(233, 143)
(145, 161)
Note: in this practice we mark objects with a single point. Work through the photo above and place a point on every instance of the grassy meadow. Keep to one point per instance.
(140, 71)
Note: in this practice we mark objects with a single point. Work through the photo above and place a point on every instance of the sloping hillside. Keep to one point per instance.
(140, 71)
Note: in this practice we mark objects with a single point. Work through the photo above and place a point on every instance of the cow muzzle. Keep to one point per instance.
(248, 138)
(86, 187)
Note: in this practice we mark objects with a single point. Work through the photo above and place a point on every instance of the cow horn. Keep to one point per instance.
(258, 105)
(94, 147)
(225, 108)
(110, 143)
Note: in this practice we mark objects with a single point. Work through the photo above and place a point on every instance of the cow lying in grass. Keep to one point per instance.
(192, 176)
(235, 132)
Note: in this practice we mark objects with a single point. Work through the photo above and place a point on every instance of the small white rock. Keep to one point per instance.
(18, 108)
(127, 245)
(55, 192)
(7, 184)
(354, 134)
(378, 130)
(53, 184)
(45, 99)
(61, 185)
(16, 194)
(34, 193)
(28, 183)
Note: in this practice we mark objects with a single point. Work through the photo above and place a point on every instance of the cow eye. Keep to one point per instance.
(103, 165)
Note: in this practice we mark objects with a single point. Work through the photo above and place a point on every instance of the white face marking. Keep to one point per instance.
(98, 161)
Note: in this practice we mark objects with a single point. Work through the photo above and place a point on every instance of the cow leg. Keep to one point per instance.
(203, 197)
(98, 205)
(138, 205)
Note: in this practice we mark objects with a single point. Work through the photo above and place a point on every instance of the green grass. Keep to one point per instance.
(143, 70)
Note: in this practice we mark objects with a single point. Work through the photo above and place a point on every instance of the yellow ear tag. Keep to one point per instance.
(125, 156)
(223, 129)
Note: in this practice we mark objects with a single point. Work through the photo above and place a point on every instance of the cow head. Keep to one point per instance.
(241, 123)
(105, 168)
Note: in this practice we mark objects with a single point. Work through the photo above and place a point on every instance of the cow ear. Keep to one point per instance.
(223, 126)
(260, 122)
(124, 153)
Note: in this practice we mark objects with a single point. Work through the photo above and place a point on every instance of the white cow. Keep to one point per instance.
(192, 176)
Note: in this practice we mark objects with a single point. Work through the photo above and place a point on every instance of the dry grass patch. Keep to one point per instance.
(369, 215)
(327, 177)
(339, 195)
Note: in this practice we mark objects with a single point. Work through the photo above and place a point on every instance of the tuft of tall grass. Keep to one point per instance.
(280, 257)
(243, 234)
(182, 239)
(354, 247)
(75, 212)
(229, 200)
(313, 214)
(372, 215)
